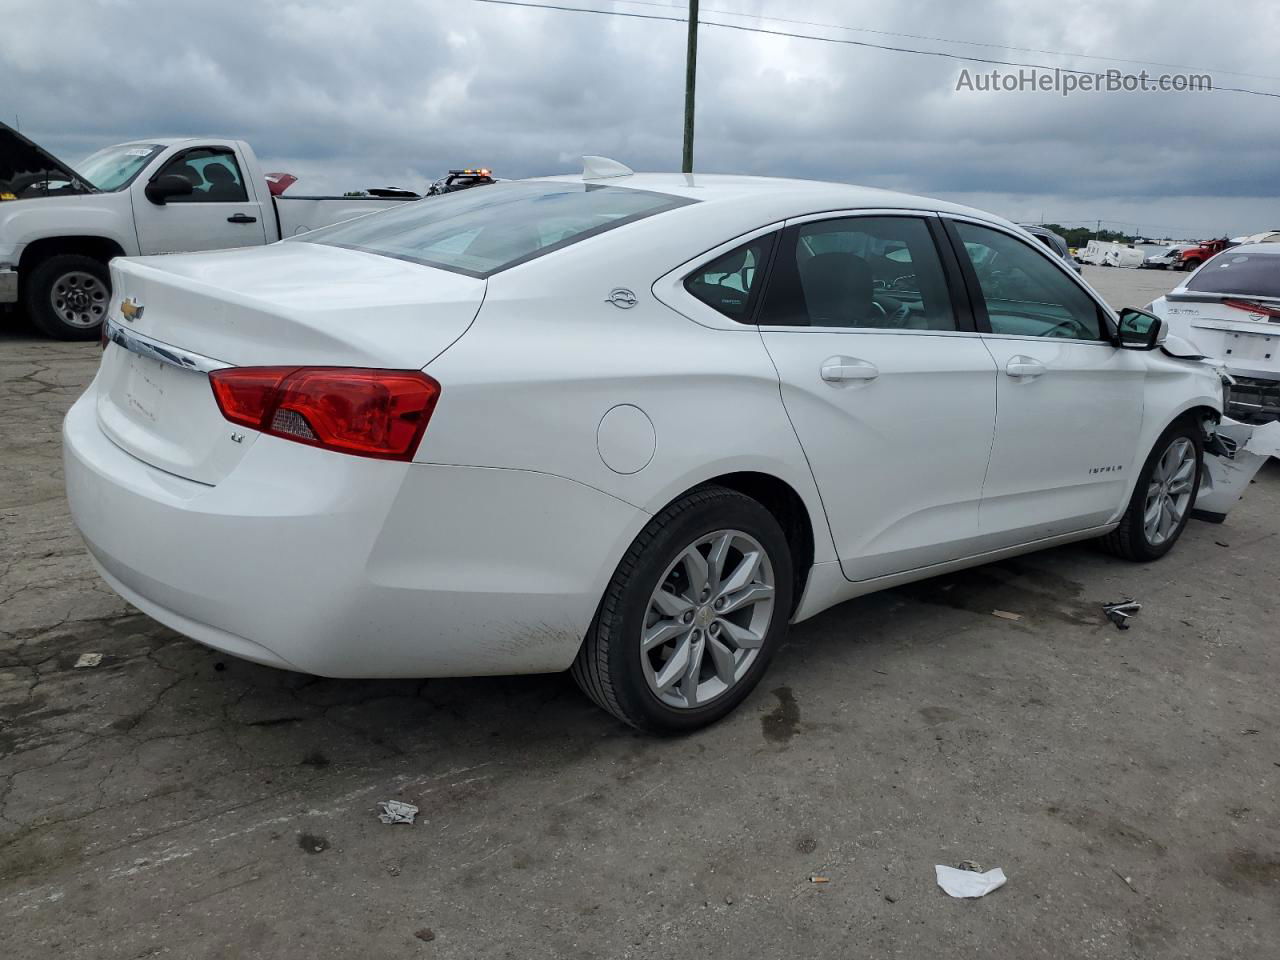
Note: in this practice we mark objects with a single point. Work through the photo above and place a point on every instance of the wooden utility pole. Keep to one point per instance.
(690, 79)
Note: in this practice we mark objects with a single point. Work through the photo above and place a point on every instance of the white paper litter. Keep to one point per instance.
(89, 660)
(1265, 440)
(966, 883)
(394, 811)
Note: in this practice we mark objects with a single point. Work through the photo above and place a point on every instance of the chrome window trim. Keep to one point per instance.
(173, 356)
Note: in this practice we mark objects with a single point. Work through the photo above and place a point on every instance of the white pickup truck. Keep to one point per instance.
(60, 226)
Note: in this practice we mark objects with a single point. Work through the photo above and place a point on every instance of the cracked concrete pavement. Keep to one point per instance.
(173, 802)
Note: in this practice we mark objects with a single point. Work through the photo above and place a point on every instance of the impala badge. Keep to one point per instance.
(622, 298)
(131, 309)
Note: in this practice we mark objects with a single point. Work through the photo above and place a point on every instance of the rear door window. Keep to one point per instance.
(875, 272)
(480, 231)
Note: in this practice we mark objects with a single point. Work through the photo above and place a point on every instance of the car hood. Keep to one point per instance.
(27, 170)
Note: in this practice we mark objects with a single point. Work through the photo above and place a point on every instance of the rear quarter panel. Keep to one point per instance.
(549, 356)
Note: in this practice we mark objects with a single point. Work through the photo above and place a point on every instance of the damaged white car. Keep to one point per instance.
(632, 425)
(1229, 309)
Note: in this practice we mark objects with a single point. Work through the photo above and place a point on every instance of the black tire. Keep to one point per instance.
(609, 666)
(1129, 540)
(38, 289)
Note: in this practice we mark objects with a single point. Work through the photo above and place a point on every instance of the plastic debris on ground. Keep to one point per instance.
(967, 884)
(88, 660)
(1006, 615)
(1121, 612)
(396, 811)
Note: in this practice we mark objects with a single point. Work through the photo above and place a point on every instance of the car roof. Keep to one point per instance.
(173, 141)
(1273, 248)
(778, 197)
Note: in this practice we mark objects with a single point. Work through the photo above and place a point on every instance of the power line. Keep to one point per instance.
(839, 40)
(969, 43)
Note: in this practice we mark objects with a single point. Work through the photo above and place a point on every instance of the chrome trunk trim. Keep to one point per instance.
(147, 347)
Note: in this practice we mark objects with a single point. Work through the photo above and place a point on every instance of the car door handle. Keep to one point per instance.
(242, 218)
(1021, 366)
(843, 369)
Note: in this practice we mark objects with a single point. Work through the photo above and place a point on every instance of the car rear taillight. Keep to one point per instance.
(369, 413)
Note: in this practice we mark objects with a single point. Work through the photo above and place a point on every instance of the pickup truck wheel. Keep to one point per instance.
(1163, 498)
(67, 295)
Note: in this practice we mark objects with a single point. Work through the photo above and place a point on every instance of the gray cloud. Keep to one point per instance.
(349, 94)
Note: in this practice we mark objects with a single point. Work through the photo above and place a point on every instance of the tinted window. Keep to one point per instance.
(486, 229)
(877, 272)
(728, 282)
(1254, 274)
(214, 175)
(1027, 294)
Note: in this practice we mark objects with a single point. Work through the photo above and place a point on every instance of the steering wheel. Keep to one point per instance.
(1071, 330)
(900, 311)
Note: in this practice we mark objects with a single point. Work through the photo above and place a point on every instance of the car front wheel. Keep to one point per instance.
(692, 615)
(1162, 500)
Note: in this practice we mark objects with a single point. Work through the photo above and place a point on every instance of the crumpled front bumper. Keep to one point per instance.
(1235, 453)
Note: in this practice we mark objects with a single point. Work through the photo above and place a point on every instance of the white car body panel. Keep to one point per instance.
(1078, 479)
(564, 424)
(925, 509)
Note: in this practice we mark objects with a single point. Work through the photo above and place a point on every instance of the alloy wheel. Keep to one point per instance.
(707, 619)
(1169, 492)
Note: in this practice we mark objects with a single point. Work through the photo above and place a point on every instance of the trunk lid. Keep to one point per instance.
(297, 304)
(1241, 331)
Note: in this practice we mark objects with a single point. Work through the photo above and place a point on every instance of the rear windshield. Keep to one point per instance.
(1254, 274)
(490, 228)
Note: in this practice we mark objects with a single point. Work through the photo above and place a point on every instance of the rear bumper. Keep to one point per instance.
(348, 567)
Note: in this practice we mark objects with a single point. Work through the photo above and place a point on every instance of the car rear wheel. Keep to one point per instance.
(1163, 498)
(67, 295)
(692, 615)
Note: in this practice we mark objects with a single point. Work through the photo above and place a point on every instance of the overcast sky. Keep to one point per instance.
(355, 94)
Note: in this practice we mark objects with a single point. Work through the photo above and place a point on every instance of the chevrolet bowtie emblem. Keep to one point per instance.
(131, 309)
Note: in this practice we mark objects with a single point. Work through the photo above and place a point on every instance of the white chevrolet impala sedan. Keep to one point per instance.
(628, 424)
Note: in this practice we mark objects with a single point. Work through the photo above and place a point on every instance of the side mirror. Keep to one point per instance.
(168, 185)
(1140, 330)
